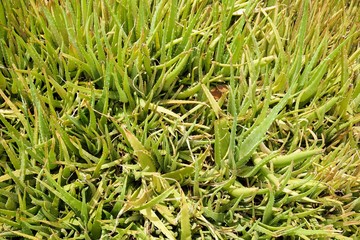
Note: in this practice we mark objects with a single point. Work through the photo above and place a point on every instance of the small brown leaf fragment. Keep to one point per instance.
(218, 91)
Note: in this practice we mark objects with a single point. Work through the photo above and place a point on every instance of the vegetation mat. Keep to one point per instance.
(179, 119)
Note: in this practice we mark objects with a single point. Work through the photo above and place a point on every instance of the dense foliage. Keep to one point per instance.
(186, 119)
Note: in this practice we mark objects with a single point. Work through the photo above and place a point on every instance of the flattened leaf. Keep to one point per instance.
(213, 103)
(185, 219)
(145, 160)
(154, 219)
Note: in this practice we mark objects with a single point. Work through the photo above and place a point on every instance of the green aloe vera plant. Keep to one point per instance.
(154, 119)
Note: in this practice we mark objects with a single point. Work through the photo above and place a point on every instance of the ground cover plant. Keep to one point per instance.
(179, 119)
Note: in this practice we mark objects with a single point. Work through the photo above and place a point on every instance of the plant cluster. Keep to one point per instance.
(179, 119)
